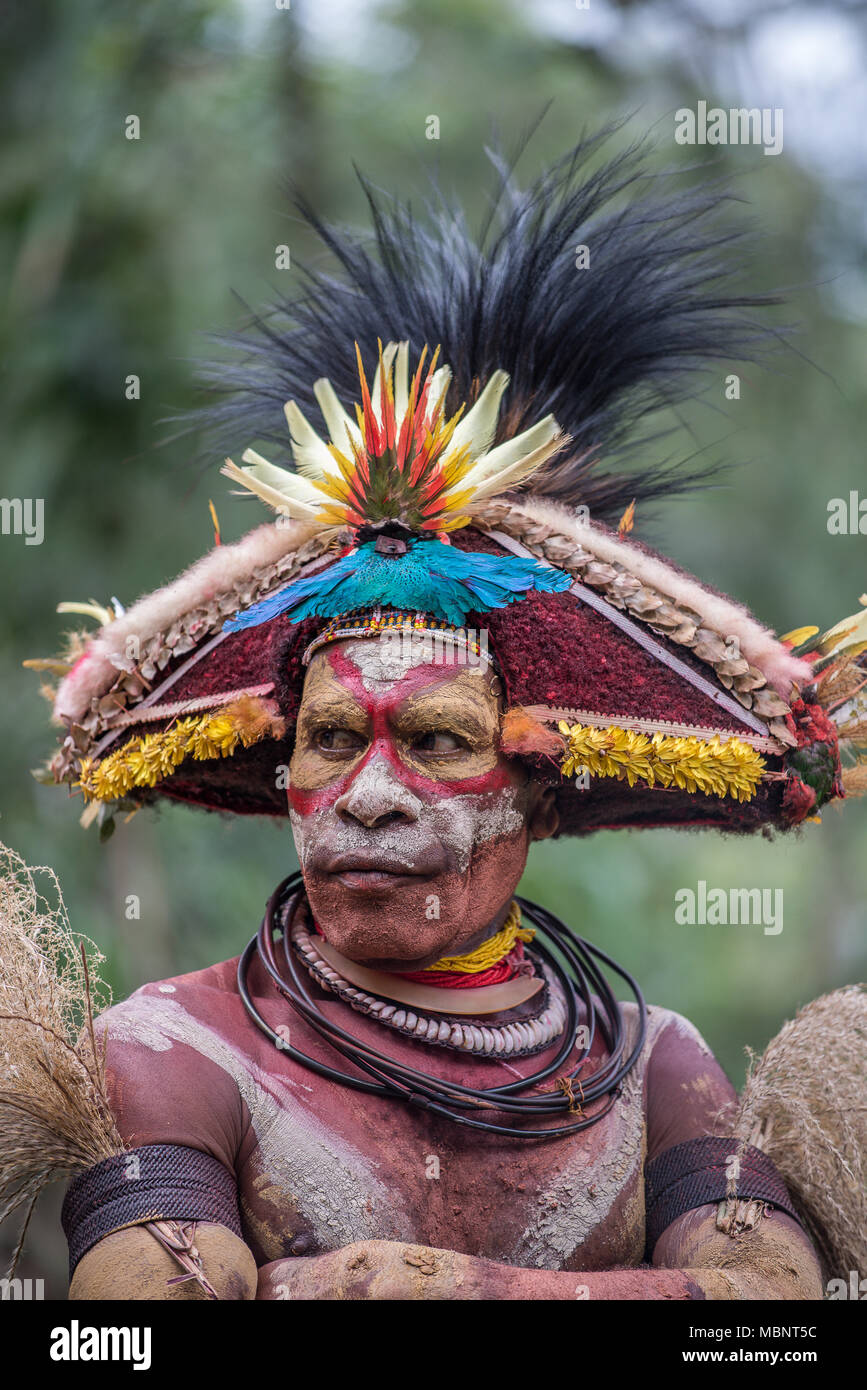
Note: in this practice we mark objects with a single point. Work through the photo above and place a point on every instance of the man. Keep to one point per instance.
(411, 1084)
(400, 798)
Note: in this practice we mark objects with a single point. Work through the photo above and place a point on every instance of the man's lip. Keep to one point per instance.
(374, 878)
(367, 864)
(374, 873)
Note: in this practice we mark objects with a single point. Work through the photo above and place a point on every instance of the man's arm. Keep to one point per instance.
(774, 1261)
(132, 1264)
(183, 1119)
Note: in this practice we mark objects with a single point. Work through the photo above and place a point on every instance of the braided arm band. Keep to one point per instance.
(701, 1172)
(157, 1182)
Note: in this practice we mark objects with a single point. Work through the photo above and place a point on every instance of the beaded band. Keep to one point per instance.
(374, 622)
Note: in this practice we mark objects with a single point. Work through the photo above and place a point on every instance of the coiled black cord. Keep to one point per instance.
(580, 979)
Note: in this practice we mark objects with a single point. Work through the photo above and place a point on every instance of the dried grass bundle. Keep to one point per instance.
(855, 779)
(805, 1105)
(55, 1119)
(840, 681)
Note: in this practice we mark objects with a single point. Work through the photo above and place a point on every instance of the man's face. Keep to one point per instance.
(411, 827)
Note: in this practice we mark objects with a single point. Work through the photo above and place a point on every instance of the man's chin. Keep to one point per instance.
(389, 921)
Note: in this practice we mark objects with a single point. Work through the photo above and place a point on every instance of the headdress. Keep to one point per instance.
(470, 501)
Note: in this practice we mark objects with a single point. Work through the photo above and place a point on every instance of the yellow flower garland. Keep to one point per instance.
(715, 766)
(149, 758)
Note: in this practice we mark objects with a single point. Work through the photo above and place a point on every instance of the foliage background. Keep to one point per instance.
(116, 255)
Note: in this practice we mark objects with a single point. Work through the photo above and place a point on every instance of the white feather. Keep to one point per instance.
(339, 423)
(440, 382)
(388, 353)
(401, 382)
(477, 427)
(850, 632)
(295, 498)
(511, 450)
(282, 479)
(311, 454)
(516, 472)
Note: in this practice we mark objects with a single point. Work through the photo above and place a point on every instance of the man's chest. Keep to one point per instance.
(327, 1170)
(321, 1165)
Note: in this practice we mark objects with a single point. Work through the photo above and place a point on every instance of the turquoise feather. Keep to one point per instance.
(430, 577)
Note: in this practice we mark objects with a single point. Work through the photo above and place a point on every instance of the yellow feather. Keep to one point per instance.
(518, 471)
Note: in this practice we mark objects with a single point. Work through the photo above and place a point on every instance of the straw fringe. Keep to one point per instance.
(804, 1104)
(55, 1118)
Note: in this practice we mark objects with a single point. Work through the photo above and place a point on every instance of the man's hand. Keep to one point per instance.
(375, 1269)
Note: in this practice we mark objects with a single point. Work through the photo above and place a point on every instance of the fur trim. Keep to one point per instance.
(225, 567)
(215, 573)
(521, 734)
(758, 644)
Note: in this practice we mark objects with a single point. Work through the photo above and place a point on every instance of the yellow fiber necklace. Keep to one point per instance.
(491, 952)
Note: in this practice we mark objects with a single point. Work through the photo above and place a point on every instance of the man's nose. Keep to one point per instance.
(377, 797)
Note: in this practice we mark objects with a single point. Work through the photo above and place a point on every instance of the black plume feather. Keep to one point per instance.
(600, 348)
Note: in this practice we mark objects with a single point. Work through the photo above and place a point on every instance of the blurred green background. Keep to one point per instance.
(117, 255)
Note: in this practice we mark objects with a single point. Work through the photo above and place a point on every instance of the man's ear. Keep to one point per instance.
(544, 818)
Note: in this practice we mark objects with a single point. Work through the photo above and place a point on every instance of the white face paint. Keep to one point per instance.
(408, 851)
(385, 659)
(459, 822)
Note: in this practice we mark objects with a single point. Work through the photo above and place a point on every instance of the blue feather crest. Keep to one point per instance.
(430, 577)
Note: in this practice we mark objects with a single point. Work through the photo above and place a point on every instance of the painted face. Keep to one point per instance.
(411, 827)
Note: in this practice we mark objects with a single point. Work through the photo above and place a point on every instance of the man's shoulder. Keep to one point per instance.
(221, 977)
(670, 1024)
(178, 1008)
(665, 1027)
(178, 1051)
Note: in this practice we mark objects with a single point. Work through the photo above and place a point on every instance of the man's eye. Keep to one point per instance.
(438, 741)
(339, 740)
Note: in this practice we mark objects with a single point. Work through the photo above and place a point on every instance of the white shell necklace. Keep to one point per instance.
(519, 1039)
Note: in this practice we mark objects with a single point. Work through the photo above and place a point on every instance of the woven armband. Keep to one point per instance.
(158, 1182)
(702, 1172)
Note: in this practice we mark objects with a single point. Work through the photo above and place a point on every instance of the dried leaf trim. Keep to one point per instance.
(55, 1118)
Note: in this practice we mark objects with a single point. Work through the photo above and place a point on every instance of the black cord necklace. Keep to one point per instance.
(580, 979)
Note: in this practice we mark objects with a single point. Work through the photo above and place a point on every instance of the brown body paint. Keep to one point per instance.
(402, 802)
(329, 1177)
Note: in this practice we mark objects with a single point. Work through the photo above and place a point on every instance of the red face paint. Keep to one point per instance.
(406, 854)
